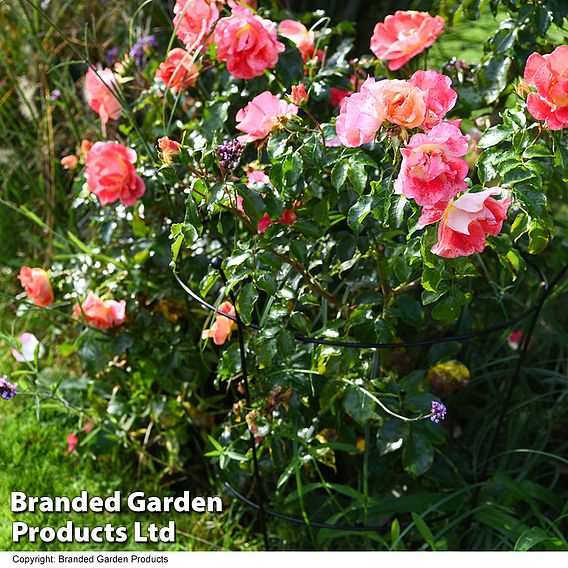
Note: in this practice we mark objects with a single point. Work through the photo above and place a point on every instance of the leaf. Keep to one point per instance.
(492, 77)
(359, 211)
(290, 66)
(339, 174)
(448, 308)
(253, 204)
(505, 37)
(267, 283)
(539, 235)
(494, 135)
(424, 530)
(532, 199)
(357, 176)
(516, 175)
(359, 406)
(192, 214)
(214, 118)
(177, 242)
(247, 299)
(418, 455)
(530, 538)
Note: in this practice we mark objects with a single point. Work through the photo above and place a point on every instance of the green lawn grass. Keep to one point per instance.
(34, 459)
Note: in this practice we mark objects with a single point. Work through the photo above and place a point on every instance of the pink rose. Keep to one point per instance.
(169, 149)
(299, 34)
(360, 116)
(402, 102)
(35, 282)
(111, 175)
(549, 75)
(406, 34)
(432, 170)
(72, 441)
(262, 115)
(179, 71)
(194, 21)
(257, 176)
(99, 314)
(466, 222)
(439, 95)
(223, 326)
(29, 343)
(247, 43)
(101, 87)
(287, 218)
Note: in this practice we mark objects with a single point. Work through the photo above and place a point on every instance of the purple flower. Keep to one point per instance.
(140, 48)
(112, 56)
(229, 153)
(55, 94)
(438, 412)
(7, 390)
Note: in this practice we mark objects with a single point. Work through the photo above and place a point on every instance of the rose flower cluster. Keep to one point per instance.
(433, 172)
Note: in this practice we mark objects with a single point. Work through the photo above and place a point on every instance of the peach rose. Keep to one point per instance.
(169, 149)
(406, 34)
(298, 34)
(99, 314)
(111, 175)
(247, 43)
(402, 103)
(35, 282)
(69, 162)
(467, 220)
(439, 96)
(549, 75)
(264, 113)
(179, 71)
(299, 96)
(432, 170)
(86, 145)
(223, 326)
(194, 21)
(101, 87)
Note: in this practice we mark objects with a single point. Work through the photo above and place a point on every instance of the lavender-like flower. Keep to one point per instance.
(112, 56)
(229, 153)
(55, 94)
(438, 412)
(140, 48)
(7, 390)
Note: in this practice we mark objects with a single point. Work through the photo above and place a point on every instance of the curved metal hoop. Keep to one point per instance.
(534, 310)
(357, 345)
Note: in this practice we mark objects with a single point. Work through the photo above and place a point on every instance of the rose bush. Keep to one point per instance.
(409, 213)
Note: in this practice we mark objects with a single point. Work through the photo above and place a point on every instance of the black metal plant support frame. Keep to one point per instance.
(533, 312)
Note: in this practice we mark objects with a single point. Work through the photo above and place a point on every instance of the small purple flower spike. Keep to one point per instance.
(55, 94)
(438, 412)
(140, 48)
(7, 390)
(229, 153)
(112, 56)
